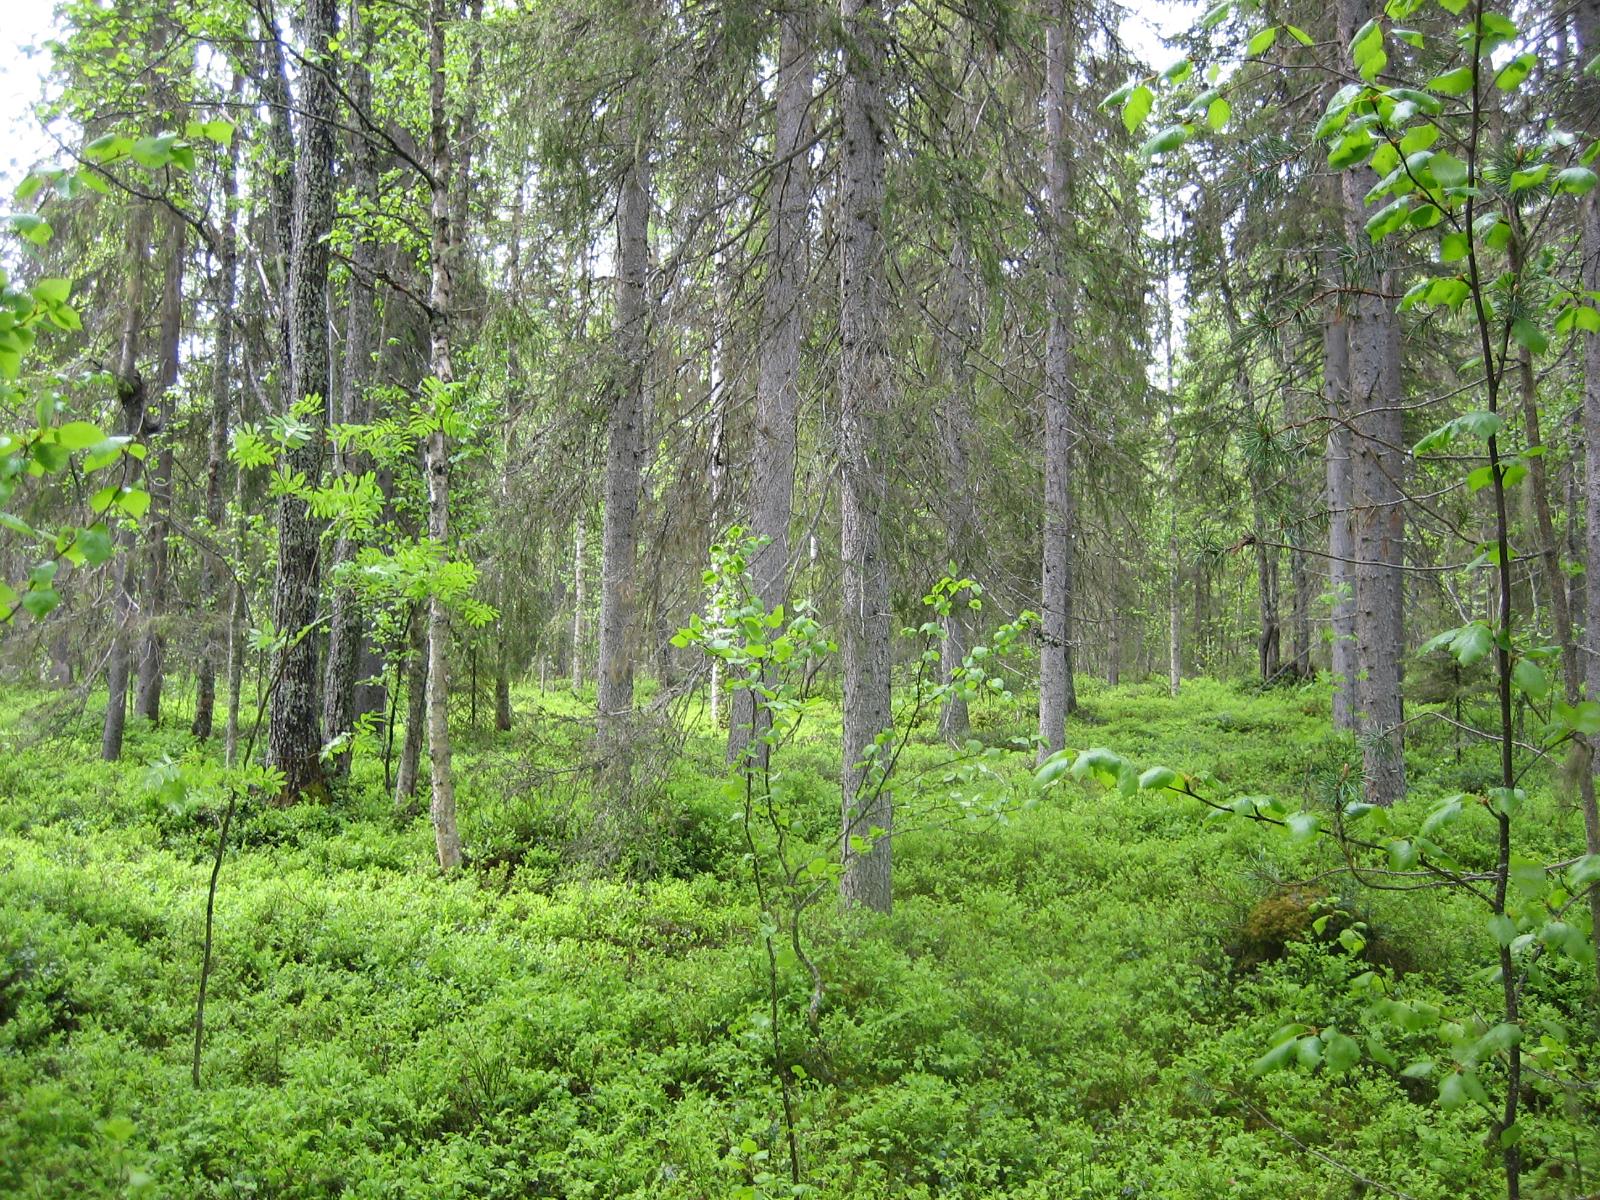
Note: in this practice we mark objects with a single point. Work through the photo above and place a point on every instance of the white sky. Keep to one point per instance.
(23, 62)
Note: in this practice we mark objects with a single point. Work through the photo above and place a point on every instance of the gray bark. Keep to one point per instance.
(131, 400)
(782, 330)
(1588, 14)
(958, 495)
(1378, 512)
(436, 455)
(347, 621)
(864, 387)
(624, 448)
(1057, 697)
(294, 728)
(405, 779)
(213, 572)
(153, 646)
(580, 526)
(1341, 537)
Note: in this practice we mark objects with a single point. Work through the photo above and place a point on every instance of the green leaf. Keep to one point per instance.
(1583, 873)
(1529, 336)
(1352, 149)
(1137, 107)
(1389, 218)
(1261, 42)
(1340, 1052)
(1514, 72)
(1578, 317)
(1156, 778)
(1167, 140)
(1178, 71)
(1575, 181)
(1530, 678)
(1300, 35)
(1521, 181)
(1417, 138)
(1218, 113)
(79, 435)
(1583, 717)
(1054, 767)
(1449, 170)
(1452, 83)
(1303, 826)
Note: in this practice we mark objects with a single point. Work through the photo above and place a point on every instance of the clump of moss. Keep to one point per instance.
(1288, 914)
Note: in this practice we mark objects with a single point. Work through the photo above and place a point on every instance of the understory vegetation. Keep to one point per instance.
(1067, 1000)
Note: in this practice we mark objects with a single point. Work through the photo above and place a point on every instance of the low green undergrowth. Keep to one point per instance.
(1066, 1001)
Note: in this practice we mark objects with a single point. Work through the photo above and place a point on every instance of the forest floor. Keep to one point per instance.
(1066, 1001)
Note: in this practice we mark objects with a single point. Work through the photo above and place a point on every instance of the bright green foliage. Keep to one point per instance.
(1053, 1009)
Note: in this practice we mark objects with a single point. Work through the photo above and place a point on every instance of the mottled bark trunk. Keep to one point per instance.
(131, 400)
(1588, 22)
(1269, 637)
(1300, 614)
(957, 433)
(782, 330)
(1056, 693)
(580, 525)
(436, 455)
(1174, 567)
(405, 779)
(415, 714)
(294, 728)
(214, 571)
(1341, 536)
(864, 387)
(502, 688)
(1114, 643)
(1375, 414)
(624, 449)
(347, 622)
(153, 643)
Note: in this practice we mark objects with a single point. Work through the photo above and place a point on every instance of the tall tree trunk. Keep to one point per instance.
(502, 687)
(580, 526)
(405, 780)
(347, 632)
(436, 456)
(1375, 413)
(1588, 13)
(624, 448)
(1269, 638)
(1057, 696)
(1300, 614)
(864, 385)
(213, 569)
(959, 493)
(1341, 535)
(294, 728)
(782, 329)
(131, 399)
(153, 646)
